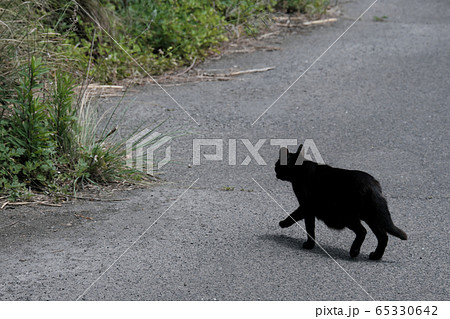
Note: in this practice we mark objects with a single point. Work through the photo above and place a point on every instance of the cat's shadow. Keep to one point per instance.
(296, 244)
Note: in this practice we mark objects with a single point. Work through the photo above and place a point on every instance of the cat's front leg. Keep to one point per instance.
(297, 215)
(310, 222)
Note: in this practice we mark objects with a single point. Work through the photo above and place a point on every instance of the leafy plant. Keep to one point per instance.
(159, 35)
(10, 167)
(26, 136)
(62, 113)
(28, 121)
(47, 144)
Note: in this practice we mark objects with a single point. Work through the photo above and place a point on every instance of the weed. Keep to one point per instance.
(62, 113)
(379, 19)
(49, 145)
(228, 188)
(159, 35)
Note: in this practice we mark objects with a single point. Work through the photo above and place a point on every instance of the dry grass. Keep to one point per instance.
(37, 28)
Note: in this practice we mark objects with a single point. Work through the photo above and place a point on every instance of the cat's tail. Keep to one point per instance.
(397, 232)
(383, 213)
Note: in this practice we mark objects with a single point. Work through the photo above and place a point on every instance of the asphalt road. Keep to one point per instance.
(377, 101)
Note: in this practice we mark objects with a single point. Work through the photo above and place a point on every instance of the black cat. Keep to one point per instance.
(339, 197)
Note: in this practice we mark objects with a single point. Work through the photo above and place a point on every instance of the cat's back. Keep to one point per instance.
(347, 180)
(365, 182)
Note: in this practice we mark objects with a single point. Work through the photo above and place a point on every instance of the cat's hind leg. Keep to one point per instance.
(360, 232)
(382, 238)
(310, 225)
(297, 215)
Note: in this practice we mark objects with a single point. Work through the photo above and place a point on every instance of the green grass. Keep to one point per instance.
(228, 188)
(380, 19)
(160, 35)
(53, 143)
(50, 139)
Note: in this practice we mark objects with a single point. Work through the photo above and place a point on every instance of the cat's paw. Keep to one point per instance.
(285, 223)
(354, 253)
(308, 245)
(375, 256)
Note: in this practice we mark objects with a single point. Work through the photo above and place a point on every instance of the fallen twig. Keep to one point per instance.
(85, 217)
(254, 49)
(95, 199)
(235, 73)
(292, 22)
(288, 18)
(251, 71)
(316, 22)
(49, 204)
(189, 68)
(266, 35)
(218, 77)
(45, 203)
(209, 76)
(16, 204)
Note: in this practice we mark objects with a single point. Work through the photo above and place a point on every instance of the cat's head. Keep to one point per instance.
(285, 166)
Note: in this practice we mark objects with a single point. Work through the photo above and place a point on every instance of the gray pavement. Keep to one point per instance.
(378, 101)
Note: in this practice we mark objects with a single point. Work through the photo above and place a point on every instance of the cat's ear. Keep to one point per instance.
(299, 149)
